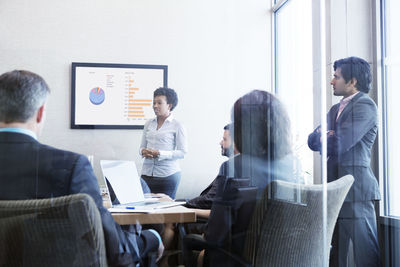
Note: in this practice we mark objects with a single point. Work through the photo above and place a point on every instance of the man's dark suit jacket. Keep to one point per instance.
(259, 171)
(30, 170)
(349, 149)
(206, 198)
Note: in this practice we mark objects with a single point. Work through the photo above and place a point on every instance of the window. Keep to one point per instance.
(391, 108)
(293, 73)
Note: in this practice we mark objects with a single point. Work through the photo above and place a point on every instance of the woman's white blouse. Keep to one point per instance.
(170, 140)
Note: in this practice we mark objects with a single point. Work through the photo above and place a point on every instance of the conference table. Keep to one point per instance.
(177, 214)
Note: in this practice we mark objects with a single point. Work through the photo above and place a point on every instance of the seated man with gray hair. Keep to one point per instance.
(31, 170)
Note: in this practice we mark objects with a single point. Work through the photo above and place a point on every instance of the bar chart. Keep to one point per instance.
(136, 108)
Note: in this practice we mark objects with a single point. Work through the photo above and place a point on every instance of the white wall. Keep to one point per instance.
(215, 52)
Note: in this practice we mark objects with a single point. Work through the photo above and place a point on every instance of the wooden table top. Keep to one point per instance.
(177, 214)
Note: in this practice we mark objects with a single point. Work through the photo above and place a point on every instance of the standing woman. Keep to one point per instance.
(163, 143)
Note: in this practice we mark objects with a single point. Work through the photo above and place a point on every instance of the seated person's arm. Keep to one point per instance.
(84, 181)
(202, 213)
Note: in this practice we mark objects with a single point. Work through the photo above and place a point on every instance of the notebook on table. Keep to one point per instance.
(125, 181)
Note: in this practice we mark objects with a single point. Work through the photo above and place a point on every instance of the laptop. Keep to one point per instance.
(125, 181)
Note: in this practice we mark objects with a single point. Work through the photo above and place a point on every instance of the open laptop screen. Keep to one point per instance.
(124, 178)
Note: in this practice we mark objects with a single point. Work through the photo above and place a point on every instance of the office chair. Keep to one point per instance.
(62, 231)
(229, 218)
(286, 227)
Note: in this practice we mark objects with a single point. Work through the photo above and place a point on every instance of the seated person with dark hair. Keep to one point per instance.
(202, 204)
(31, 170)
(262, 136)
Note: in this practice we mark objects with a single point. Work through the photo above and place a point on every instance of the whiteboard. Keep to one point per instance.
(114, 96)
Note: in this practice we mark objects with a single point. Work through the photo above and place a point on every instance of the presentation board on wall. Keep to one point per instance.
(114, 96)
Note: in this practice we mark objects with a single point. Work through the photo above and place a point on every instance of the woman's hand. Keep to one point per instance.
(163, 197)
(146, 153)
(150, 153)
(160, 196)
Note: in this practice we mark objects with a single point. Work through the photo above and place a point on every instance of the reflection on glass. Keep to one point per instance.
(262, 137)
(294, 75)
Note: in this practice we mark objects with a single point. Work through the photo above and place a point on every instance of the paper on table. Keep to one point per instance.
(123, 210)
(146, 209)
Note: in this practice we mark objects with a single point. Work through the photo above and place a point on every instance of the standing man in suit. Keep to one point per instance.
(31, 170)
(352, 128)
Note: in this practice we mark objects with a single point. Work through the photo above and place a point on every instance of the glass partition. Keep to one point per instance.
(294, 75)
(252, 165)
(389, 153)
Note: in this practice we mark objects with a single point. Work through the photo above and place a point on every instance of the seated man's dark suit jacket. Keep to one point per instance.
(30, 170)
(207, 196)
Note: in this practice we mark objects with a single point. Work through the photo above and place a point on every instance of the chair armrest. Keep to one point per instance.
(201, 220)
(235, 257)
(195, 242)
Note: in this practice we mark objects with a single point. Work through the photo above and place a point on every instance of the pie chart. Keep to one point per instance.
(96, 96)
